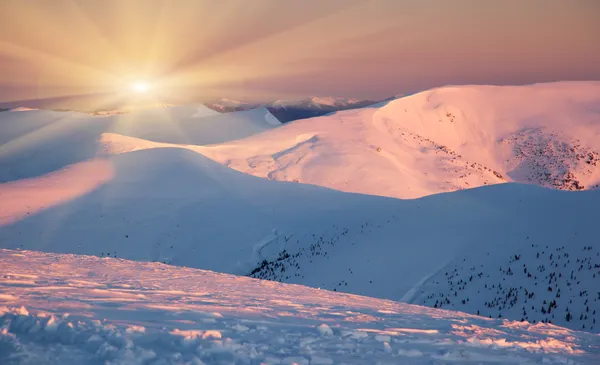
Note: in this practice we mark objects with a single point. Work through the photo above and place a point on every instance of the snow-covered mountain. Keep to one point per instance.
(72, 309)
(182, 111)
(436, 141)
(316, 102)
(40, 141)
(225, 105)
(289, 110)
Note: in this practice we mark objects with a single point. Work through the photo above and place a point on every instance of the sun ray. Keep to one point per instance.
(56, 64)
(218, 54)
(95, 29)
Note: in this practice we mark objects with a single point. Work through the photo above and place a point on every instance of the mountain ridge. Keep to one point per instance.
(439, 140)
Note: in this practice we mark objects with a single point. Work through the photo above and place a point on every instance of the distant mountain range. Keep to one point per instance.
(284, 110)
(225, 105)
(289, 110)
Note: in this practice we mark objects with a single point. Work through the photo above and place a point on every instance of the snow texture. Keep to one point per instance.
(72, 309)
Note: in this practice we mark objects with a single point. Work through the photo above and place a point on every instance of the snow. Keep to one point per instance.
(190, 125)
(225, 105)
(84, 309)
(39, 142)
(156, 185)
(317, 102)
(171, 204)
(545, 280)
(234, 103)
(72, 186)
(440, 140)
(203, 111)
(230, 102)
(289, 110)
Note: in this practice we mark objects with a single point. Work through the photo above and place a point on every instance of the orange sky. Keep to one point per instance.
(265, 49)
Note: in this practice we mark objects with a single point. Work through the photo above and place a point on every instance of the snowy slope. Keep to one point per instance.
(68, 309)
(538, 282)
(163, 204)
(436, 141)
(16, 124)
(203, 126)
(39, 142)
(176, 112)
(457, 247)
(140, 187)
(151, 201)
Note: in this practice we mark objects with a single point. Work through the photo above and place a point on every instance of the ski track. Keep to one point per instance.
(413, 293)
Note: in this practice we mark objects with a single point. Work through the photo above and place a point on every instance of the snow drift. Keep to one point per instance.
(71, 309)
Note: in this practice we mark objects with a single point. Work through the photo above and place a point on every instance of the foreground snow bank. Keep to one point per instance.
(72, 309)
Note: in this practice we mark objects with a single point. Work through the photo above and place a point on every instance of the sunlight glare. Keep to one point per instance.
(140, 87)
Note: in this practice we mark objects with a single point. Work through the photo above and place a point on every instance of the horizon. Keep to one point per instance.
(67, 104)
(197, 51)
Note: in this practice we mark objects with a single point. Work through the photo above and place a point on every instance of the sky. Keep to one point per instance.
(258, 50)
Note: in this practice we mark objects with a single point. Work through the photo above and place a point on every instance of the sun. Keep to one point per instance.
(140, 87)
